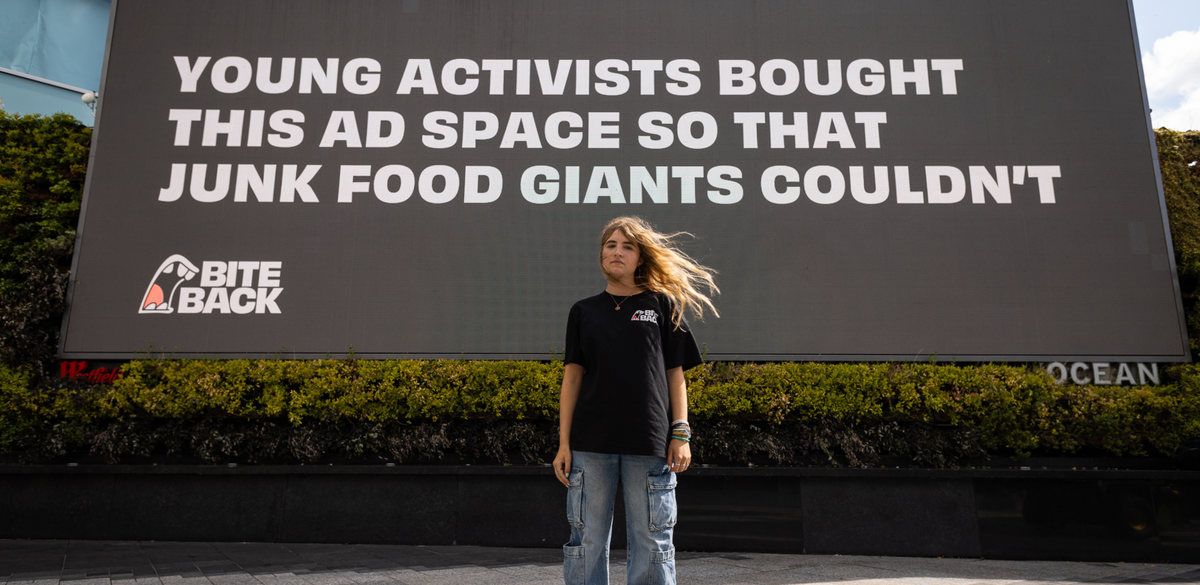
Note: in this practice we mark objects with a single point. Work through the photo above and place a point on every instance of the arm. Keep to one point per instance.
(572, 379)
(679, 453)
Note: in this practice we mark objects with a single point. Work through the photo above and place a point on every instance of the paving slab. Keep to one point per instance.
(26, 562)
(193, 579)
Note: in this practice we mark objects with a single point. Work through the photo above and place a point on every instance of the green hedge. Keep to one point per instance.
(1013, 410)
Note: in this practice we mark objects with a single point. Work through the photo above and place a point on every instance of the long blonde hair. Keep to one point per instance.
(664, 268)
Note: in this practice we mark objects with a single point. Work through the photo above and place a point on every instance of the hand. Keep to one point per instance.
(679, 455)
(562, 464)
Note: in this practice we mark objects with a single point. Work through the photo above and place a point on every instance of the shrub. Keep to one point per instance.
(853, 414)
(1178, 153)
(42, 168)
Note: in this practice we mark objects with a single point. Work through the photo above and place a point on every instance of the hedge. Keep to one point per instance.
(1006, 410)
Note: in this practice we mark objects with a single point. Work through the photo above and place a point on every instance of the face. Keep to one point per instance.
(619, 257)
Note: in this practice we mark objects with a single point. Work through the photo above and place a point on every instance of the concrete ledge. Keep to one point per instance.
(999, 513)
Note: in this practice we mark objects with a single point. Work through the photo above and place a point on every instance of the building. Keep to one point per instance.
(51, 53)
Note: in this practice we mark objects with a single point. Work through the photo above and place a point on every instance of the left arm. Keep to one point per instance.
(679, 453)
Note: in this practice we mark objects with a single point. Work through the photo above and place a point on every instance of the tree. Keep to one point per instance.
(43, 163)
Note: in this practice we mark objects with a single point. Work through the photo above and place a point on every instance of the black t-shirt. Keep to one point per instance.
(623, 405)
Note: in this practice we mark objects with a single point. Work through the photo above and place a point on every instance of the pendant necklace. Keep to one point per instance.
(614, 300)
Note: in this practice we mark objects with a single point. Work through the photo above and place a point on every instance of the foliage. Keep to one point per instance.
(1178, 153)
(376, 391)
(799, 413)
(834, 443)
(42, 168)
(230, 439)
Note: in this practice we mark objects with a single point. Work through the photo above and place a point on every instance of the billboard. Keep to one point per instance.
(871, 179)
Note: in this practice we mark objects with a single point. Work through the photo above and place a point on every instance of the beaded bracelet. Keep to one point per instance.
(681, 431)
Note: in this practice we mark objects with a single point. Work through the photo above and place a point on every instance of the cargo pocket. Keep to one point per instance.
(573, 565)
(662, 500)
(662, 567)
(575, 498)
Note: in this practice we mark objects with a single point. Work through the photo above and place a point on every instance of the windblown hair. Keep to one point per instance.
(666, 269)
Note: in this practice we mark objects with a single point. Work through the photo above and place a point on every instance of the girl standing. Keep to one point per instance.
(623, 407)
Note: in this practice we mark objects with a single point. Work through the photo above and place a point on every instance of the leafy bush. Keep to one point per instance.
(788, 413)
(226, 439)
(1178, 153)
(43, 162)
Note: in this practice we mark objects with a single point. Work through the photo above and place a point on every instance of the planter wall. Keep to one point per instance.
(1147, 516)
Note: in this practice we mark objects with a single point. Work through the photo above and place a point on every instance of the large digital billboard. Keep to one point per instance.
(872, 179)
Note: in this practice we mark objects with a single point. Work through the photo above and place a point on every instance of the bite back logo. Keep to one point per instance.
(238, 287)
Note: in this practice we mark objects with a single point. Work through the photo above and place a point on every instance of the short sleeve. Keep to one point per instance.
(679, 345)
(573, 354)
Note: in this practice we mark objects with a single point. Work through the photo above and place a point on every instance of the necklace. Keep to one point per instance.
(614, 299)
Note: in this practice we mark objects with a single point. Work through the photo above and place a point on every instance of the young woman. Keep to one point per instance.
(623, 407)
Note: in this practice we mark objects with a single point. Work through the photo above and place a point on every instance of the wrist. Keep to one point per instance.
(681, 431)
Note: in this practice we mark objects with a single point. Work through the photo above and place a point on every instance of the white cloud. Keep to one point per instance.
(1173, 72)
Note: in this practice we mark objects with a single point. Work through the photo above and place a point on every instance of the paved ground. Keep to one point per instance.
(48, 562)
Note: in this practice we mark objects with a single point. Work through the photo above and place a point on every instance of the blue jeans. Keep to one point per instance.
(650, 513)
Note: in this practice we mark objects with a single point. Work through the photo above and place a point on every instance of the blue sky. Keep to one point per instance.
(1172, 67)
(1159, 18)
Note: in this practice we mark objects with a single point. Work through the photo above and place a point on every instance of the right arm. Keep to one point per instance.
(572, 379)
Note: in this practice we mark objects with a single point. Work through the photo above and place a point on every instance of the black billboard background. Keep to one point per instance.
(1044, 83)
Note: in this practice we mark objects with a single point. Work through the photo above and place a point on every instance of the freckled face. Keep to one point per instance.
(619, 257)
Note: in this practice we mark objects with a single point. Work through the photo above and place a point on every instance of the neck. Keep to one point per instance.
(622, 289)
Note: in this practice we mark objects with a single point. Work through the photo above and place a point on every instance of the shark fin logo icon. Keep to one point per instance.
(172, 273)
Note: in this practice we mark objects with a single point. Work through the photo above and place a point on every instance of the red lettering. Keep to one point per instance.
(78, 369)
(71, 369)
(97, 375)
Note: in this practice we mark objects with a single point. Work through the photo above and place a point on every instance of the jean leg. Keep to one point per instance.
(590, 500)
(650, 514)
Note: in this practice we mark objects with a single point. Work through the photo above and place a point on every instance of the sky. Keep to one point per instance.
(1169, 35)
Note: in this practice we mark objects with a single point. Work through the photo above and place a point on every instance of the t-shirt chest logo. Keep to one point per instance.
(648, 315)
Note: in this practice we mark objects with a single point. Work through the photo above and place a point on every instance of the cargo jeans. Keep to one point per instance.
(650, 514)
